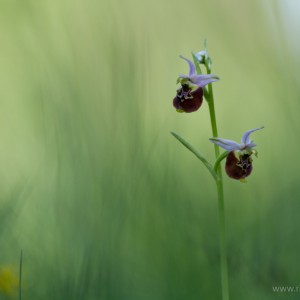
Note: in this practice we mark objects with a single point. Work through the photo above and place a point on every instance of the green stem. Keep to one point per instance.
(219, 182)
(223, 248)
(219, 159)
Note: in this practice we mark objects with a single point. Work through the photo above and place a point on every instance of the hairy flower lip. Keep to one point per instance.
(238, 166)
(194, 78)
(188, 100)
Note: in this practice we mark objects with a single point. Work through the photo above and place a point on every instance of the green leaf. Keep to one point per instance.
(198, 155)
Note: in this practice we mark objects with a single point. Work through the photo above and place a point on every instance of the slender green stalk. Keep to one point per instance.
(219, 159)
(223, 248)
(219, 182)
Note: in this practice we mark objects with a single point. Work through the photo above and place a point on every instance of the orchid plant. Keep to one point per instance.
(189, 98)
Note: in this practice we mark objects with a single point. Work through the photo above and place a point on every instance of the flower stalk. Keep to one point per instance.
(220, 192)
(221, 205)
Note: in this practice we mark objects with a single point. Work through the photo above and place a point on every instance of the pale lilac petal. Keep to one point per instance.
(251, 145)
(184, 76)
(228, 145)
(246, 136)
(203, 80)
(191, 65)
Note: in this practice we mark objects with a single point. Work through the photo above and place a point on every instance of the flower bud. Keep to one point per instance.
(201, 56)
(188, 100)
(238, 166)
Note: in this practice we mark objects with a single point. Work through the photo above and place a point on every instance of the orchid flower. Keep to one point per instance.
(190, 96)
(238, 162)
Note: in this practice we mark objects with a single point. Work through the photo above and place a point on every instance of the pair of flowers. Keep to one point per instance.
(189, 98)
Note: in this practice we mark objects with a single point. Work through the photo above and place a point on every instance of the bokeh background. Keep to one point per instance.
(104, 202)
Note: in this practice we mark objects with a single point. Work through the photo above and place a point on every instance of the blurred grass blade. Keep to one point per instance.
(20, 276)
(199, 156)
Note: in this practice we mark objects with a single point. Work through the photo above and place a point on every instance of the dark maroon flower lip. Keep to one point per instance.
(188, 100)
(238, 166)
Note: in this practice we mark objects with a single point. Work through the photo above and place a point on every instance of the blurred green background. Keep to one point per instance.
(104, 202)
